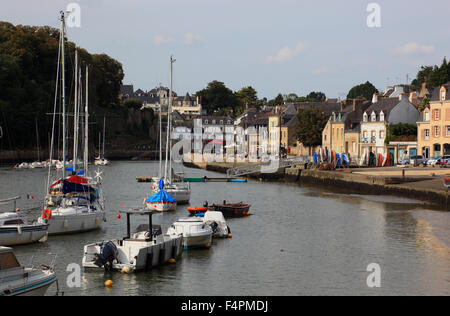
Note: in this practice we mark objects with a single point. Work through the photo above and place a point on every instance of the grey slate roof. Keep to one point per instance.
(435, 95)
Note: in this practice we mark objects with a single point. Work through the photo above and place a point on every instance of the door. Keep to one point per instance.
(392, 153)
(412, 152)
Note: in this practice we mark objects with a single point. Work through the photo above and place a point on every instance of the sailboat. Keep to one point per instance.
(101, 160)
(74, 203)
(179, 190)
(161, 201)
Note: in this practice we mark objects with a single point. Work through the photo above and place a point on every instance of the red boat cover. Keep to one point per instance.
(73, 179)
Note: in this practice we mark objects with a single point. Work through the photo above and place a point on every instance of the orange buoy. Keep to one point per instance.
(109, 283)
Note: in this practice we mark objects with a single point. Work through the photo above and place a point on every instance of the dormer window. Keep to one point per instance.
(373, 117)
(443, 95)
(381, 116)
(365, 117)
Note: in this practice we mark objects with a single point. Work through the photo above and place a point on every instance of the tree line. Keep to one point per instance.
(28, 64)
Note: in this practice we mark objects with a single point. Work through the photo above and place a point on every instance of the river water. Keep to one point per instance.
(301, 240)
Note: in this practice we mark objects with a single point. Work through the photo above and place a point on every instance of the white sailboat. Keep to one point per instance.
(101, 160)
(75, 203)
(180, 191)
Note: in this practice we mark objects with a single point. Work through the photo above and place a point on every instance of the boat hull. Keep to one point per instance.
(197, 241)
(229, 211)
(162, 206)
(137, 255)
(70, 224)
(36, 287)
(14, 236)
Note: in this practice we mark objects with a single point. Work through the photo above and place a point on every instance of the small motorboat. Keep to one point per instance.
(196, 233)
(145, 249)
(218, 224)
(17, 280)
(100, 161)
(161, 201)
(232, 209)
(15, 231)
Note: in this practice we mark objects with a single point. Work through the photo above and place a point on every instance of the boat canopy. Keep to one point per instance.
(76, 184)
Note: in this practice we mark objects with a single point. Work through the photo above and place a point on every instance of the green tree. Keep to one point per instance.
(364, 90)
(400, 130)
(311, 122)
(248, 96)
(316, 97)
(217, 96)
(133, 103)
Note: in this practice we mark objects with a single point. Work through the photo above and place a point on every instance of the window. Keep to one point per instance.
(436, 131)
(325, 137)
(427, 116)
(365, 134)
(381, 117)
(382, 134)
(427, 134)
(221, 122)
(373, 117)
(8, 261)
(443, 96)
(436, 115)
(447, 130)
(354, 146)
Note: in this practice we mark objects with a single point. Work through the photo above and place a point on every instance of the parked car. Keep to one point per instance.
(434, 160)
(416, 160)
(404, 161)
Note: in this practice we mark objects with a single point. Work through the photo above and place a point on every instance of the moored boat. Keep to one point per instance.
(144, 249)
(196, 233)
(17, 280)
(161, 201)
(14, 230)
(232, 209)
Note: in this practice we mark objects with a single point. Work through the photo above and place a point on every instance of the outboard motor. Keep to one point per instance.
(214, 226)
(205, 204)
(108, 253)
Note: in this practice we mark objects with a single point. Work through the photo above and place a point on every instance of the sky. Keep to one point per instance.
(282, 46)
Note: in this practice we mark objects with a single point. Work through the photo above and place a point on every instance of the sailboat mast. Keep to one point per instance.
(104, 135)
(75, 118)
(168, 120)
(63, 93)
(172, 60)
(160, 140)
(86, 125)
(37, 140)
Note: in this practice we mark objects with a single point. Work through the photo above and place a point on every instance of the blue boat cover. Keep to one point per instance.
(69, 187)
(162, 196)
(315, 157)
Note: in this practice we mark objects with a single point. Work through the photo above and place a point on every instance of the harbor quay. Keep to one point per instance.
(423, 184)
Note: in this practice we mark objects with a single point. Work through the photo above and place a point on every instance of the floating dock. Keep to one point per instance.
(202, 179)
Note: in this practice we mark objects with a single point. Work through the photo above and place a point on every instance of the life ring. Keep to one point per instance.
(47, 214)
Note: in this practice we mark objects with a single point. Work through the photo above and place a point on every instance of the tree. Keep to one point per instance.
(311, 122)
(316, 97)
(365, 90)
(133, 103)
(401, 130)
(217, 96)
(247, 96)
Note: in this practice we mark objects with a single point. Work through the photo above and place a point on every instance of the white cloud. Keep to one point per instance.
(414, 48)
(321, 70)
(161, 39)
(286, 53)
(190, 38)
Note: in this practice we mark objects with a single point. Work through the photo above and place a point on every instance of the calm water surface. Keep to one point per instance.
(301, 240)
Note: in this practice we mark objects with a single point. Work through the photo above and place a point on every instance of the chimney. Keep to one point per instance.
(375, 98)
(342, 106)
